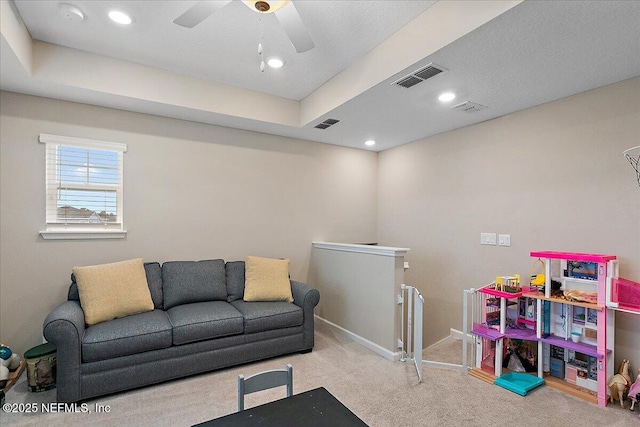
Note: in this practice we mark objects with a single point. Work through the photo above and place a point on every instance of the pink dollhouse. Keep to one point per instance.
(565, 336)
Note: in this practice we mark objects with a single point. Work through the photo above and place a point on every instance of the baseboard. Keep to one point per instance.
(454, 333)
(438, 342)
(376, 348)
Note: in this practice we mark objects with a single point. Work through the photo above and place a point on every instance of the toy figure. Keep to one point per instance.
(619, 383)
(9, 361)
(634, 392)
(524, 360)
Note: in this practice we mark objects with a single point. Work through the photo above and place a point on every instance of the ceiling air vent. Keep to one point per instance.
(407, 82)
(327, 123)
(468, 107)
(420, 75)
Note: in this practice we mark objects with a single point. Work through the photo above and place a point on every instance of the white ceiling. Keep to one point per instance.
(223, 47)
(533, 53)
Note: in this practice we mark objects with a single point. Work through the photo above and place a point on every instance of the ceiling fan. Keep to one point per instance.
(284, 10)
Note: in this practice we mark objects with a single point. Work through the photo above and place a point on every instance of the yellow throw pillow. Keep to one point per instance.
(267, 279)
(114, 290)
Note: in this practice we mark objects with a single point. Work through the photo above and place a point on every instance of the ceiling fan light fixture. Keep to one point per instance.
(264, 6)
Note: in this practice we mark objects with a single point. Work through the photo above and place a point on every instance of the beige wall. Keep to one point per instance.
(358, 287)
(192, 191)
(552, 176)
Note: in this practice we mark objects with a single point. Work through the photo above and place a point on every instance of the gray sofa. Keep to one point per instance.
(200, 323)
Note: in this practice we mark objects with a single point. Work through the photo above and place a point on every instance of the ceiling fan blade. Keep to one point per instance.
(199, 12)
(295, 28)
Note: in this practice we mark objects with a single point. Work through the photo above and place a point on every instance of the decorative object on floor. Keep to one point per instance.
(9, 362)
(619, 383)
(634, 392)
(519, 382)
(263, 381)
(41, 367)
(633, 156)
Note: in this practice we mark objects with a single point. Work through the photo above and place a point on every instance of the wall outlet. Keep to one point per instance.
(504, 239)
(488, 238)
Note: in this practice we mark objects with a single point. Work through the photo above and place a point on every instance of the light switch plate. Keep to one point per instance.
(488, 239)
(504, 240)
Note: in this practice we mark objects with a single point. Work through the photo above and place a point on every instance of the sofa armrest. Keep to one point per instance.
(307, 298)
(64, 327)
(304, 296)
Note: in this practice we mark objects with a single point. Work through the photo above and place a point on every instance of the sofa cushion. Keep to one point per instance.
(265, 316)
(154, 281)
(267, 279)
(109, 291)
(185, 282)
(204, 320)
(235, 280)
(127, 335)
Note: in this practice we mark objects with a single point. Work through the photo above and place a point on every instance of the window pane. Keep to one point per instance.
(84, 186)
(88, 166)
(87, 206)
(79, 167)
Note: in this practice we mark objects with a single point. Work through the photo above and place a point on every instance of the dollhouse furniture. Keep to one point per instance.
(624, 295)
(518, 382)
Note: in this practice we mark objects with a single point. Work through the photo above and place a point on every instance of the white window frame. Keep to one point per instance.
(55, 230)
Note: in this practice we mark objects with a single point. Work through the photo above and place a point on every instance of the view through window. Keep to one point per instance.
(87, 184)
(84, 184)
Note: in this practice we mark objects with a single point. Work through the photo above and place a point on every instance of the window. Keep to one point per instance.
(83, 188)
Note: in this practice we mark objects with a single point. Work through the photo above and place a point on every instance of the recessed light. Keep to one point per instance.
(275, 62)
(370, 142)
(120, 17)
(447, 96)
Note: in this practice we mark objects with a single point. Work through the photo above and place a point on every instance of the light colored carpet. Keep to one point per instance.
(380, 392)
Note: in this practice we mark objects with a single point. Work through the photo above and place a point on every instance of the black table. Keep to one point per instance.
(313, 408)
